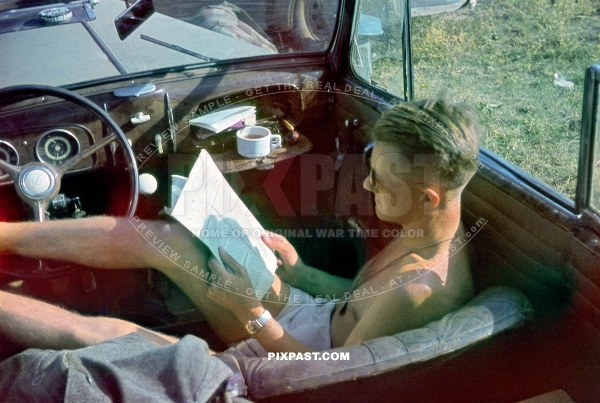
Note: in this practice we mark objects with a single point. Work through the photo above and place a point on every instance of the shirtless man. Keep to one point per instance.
(423, 155)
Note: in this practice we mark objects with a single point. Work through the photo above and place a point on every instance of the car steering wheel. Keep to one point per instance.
(37, 183)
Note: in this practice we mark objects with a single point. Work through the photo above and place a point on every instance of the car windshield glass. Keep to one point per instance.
(67, 43)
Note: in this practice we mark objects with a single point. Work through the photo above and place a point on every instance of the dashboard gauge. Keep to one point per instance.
(8, 153)
(56, 146)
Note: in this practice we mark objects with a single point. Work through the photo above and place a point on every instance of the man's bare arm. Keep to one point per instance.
(113, 242)
(388, 314)
(36, 324)
(317, 282)
(293, 271)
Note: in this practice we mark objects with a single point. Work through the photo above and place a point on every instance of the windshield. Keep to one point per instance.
(67, 43)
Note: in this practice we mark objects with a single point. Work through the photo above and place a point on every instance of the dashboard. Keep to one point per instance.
(51, 145)
(155, 120)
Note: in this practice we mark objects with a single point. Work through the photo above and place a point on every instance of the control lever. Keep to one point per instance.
(171, 120)
(340, 155)
(343, 141)
(113, 144)
(61, 206)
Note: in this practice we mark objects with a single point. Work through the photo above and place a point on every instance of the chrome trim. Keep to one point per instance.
(591, 93)
(33, 195)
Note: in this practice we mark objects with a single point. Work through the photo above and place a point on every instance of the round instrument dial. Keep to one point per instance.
(57, 146)
(8, 153)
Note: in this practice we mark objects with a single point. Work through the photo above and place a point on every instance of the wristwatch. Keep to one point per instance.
(255, 325)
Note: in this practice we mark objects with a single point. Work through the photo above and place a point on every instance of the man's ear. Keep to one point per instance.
(431, 200)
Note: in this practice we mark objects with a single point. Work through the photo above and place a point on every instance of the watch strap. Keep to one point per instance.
(255, 325)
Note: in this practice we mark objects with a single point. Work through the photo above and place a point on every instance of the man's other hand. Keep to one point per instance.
(290, 266)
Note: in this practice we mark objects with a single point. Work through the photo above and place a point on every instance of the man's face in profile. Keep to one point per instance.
(396, 189)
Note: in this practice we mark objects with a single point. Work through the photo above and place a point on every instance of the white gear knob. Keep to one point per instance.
(148, 184)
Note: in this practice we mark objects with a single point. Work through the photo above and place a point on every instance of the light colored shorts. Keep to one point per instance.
(305, 318)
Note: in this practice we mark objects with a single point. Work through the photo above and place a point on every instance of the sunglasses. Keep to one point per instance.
(367, 154)
(373, 182)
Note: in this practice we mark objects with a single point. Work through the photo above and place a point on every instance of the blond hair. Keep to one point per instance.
(438, 127)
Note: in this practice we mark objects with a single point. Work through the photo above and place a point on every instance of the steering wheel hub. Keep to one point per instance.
(37, 182)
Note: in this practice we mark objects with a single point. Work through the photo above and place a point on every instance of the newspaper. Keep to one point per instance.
(213, 212)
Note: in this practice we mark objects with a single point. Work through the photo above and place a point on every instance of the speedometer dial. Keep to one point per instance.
(8, 153)
(56, 146)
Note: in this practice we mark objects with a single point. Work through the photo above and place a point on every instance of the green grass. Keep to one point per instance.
(501, 57)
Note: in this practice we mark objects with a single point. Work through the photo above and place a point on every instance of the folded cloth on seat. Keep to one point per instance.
(124, 369)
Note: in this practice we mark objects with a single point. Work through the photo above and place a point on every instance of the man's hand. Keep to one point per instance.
(293, 271)
(247, 307)
(231, 289)
(290, 266)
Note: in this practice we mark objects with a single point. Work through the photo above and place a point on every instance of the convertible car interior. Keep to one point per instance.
(108, 127)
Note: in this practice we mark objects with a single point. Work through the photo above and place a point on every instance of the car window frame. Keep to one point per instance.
(575, 206)
(407, 65)
(589, 126)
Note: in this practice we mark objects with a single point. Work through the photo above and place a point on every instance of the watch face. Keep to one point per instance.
(253, 327)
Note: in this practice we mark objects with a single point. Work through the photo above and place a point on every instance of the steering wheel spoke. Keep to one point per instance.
(84, 154)
(7, 169)
(39, 210)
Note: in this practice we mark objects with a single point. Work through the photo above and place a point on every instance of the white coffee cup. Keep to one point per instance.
(256, 141)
